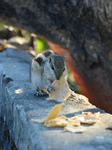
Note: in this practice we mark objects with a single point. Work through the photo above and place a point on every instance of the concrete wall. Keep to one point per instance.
(18, 106)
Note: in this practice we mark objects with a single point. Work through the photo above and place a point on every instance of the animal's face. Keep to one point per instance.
(58, 66)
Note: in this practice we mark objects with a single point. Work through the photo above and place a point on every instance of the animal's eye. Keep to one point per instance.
(52, 67)
(64, 69)
(64, 57)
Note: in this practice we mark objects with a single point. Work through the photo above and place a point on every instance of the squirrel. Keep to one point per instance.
(45, 69)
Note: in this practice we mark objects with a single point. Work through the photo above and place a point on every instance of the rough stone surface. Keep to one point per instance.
(19, 108)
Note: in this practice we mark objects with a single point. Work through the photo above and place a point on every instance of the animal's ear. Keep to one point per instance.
(47, 53)
(39, 60)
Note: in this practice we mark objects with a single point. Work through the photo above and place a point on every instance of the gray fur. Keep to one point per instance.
(45, 69)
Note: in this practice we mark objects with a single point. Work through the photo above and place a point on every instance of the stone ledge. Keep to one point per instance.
(18, 108)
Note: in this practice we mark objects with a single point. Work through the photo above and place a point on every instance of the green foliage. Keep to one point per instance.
(41, 45)
(73, 81)
(26, 35)
(3, 25)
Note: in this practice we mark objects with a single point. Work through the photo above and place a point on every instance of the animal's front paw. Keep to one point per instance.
(40, 93)
(50, 88)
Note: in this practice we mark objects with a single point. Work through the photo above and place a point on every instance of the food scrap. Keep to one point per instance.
(62, 90)
(53, 113)
(82, 99)
(90, 117)
(41, 120)
(72, 124)
(73, 129)
(63, 121)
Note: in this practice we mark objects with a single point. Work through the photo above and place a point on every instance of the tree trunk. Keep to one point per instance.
(80, 29)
